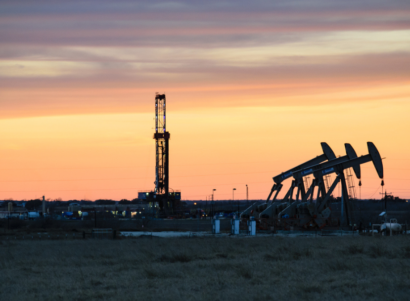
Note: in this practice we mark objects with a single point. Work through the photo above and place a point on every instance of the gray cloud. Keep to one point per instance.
(193, 23)
(183, 36)
(113, 90)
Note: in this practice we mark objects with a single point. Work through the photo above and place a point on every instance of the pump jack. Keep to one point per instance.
(254, 209)
(310, 214)
(298, 175)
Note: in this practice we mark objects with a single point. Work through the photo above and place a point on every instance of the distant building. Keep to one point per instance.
(18, 212)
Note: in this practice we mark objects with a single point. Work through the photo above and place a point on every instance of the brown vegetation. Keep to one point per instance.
(270, 268)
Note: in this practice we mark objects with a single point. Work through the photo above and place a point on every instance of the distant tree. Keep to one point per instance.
(104, 202)
(85, 201)
(33, 204)
(138, 201)
(398, 199)
(14, 204)
(124, 201)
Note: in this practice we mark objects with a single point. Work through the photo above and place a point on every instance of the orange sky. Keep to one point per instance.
(249, 95)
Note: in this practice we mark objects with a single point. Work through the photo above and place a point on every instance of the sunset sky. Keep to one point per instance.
(252, 89)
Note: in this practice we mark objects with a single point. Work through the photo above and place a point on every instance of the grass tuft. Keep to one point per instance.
(355, 249)
(245, 273)
(174, 258)
(406, 253)
(261, 268)
(222, 255)
(272, 257)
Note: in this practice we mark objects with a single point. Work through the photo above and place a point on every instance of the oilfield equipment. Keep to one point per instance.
(255, 209)
(306, 211)
(162, 195)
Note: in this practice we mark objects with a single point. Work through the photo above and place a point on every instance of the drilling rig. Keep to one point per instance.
(163, 195)
(161, 137)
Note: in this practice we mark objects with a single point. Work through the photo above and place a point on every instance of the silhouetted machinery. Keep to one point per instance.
(256, 209)
(162, 195)
(305, 211)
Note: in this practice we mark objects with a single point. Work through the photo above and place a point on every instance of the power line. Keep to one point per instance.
(375, 192)
(110, 179)
(218, 185)
(136, 167)
(72, 190)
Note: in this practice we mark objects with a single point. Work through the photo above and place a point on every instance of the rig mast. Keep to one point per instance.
(161, 137)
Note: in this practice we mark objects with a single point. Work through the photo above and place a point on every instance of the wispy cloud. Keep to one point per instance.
(257, 77)
(197, 24)
(72, 57)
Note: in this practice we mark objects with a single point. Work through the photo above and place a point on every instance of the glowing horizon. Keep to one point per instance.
(251, 90)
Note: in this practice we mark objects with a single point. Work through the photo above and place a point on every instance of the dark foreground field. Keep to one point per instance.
(325, 268)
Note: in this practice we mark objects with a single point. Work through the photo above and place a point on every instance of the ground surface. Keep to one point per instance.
(273, 268)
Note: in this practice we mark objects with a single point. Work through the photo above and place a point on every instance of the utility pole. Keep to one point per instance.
(44, 206)
(212, 204)
(206, 204)
(385, 199)
(95, 218)
(247, 203)
(233, 198)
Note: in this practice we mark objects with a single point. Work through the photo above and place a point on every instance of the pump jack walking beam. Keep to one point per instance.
(350, 154)
(267, 209)
(299, 174)
(328, 154)
(305, 170)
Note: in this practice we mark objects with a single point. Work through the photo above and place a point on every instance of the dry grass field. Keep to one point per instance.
(274, 268)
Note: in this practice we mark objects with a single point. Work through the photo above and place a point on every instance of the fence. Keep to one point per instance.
(120, 224)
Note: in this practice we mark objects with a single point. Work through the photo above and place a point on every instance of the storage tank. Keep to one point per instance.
(393, 226)
(215, 225)
(32, 215)
(252, 226)
(235, 226)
